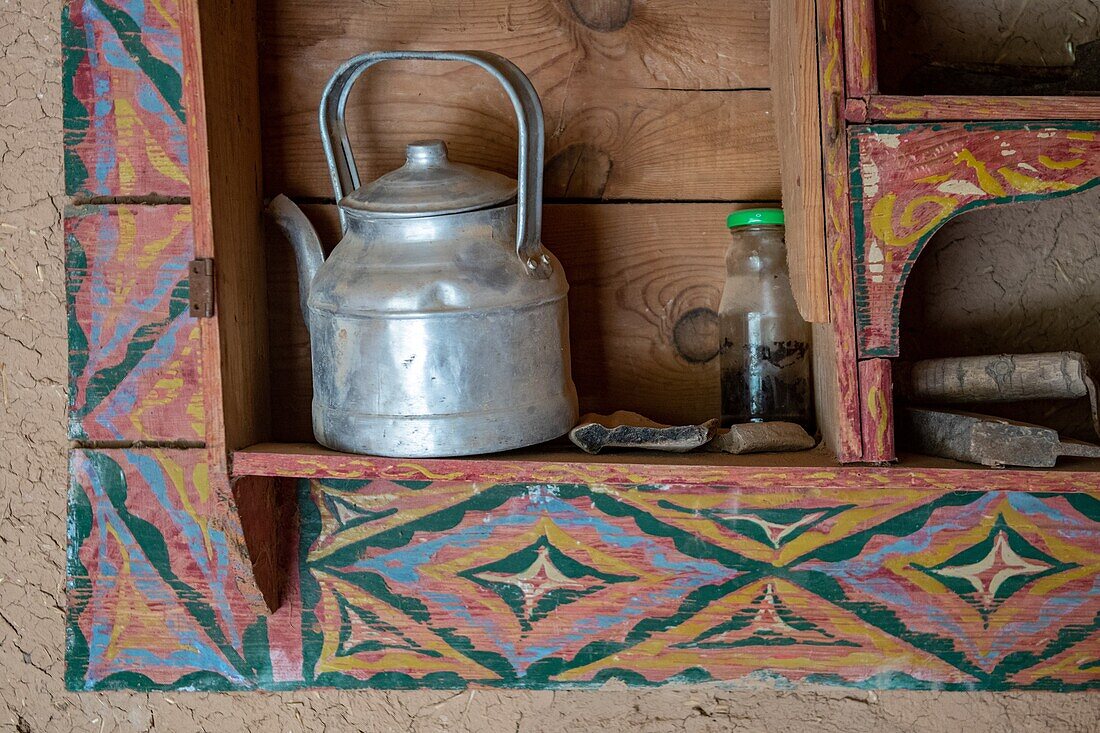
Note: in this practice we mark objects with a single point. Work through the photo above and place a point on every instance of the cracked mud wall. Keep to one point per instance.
(1014, 279)
(33, 479)
(1014, 32)
(1023, 278)
(952, 47)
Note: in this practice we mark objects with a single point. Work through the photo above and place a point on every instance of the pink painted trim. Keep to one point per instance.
(887, 108)
(917, 178)
(861, 47)
(876, 389)
(502, 470)
(855, 110)
(847, 439)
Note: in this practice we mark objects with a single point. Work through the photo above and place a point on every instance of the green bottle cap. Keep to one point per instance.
(755, 217)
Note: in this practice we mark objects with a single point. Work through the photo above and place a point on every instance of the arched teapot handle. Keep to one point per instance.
(532, 138)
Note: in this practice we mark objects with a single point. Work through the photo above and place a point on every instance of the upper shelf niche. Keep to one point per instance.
(988, 48)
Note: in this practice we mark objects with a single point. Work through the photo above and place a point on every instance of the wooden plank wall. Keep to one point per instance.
(659, 123)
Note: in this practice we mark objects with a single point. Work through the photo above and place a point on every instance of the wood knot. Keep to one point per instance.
(579, 171)
(695, 335)
(603, 15)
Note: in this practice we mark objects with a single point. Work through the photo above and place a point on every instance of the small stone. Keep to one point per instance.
(762, 437)
(631, 430)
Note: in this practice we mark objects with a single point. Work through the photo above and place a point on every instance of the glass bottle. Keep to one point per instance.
(765, 344)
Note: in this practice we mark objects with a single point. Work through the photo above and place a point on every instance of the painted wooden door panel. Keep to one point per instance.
(123, 111)
(134, 356)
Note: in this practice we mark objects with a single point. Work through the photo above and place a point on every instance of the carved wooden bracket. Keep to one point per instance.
(908, 180)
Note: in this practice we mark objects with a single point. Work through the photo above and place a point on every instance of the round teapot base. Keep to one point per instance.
(443, 436)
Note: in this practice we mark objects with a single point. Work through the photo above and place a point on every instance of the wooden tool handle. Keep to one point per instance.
(1060, 375)
(1000, 378)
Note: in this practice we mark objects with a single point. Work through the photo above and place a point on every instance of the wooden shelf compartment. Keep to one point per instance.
(952, 147)
(939, 47)
(645, 276)
(643, 256)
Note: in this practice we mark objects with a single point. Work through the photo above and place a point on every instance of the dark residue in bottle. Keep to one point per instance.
(768, 383)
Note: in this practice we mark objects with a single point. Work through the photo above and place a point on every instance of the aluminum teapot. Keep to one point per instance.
(438, 325)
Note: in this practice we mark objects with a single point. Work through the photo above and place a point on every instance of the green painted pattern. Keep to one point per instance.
(78, 586)
(76, 115)
(104, 381)
(815, 572)
(979, 551)
(511, 594)
(743, 523)
(76, 268)
(151, 542)
(819, 582)
(165, 78)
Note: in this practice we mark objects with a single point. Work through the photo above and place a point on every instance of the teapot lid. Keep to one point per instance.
(429, 184)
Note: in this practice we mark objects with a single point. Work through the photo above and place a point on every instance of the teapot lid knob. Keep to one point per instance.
(424, 153)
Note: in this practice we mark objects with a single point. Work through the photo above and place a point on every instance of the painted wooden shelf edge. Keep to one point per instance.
(901, 108)
(908, 180)
(409, 584)
(809, 470)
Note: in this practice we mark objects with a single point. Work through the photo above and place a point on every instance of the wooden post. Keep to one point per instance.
(861, 47)
(876, 386)
(797, 108)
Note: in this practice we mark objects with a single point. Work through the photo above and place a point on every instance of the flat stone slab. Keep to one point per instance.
(763, 437)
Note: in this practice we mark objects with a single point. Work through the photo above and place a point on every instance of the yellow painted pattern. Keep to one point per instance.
(181, 483)
(879, 405)
(335, 537)
(161, 161)
(916, 222)
(401, 640)
(1030, 184)
(871, 505)
(1019, 607)
(1060, 165)
(126, 122)
(663, 654)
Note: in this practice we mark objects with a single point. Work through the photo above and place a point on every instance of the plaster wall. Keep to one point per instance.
(1013, 279)
(33, 478)
(981, 33)
(1014, 32)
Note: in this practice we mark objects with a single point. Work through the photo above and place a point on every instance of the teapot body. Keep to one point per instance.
(429, 338)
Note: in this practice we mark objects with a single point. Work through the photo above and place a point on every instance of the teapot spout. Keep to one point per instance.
(303, 238)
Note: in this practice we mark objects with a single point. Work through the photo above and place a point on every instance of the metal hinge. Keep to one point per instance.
(201, 287)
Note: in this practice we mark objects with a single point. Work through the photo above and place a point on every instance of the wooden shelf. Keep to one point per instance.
(562, 463)
(885, 573)
(898, 108)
